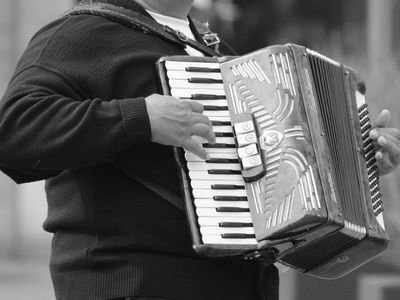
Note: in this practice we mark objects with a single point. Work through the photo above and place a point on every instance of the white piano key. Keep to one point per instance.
(218, 140)
(187, 93)
(202, 193)
(211, 203)
(187, 75)
(217, 239)
(192, 157)
(216, 113)
(202, 166)
(185, 84)
(218, 102)
(225, 140)
(207, 184)
(216, 230)
(217, 151)
(182, 65)
(222, 177)
(222, 119)
(215, 221)
(227, 129)
(212, 212)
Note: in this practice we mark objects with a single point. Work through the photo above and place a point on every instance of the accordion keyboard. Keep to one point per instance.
(217, 185)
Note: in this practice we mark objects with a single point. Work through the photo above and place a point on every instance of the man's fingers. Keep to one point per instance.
(383, 119)
(204, 131)
(192, 146)
(389, 133)
(196, 107)
(384, 164)
(200, 118)
(391, 148)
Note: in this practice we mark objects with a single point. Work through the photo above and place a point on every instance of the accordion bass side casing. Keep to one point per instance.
(300, 131)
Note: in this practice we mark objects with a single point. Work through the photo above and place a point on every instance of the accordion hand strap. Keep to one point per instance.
(146, 24)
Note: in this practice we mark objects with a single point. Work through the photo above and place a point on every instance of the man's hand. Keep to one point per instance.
(387, 142)
(175, 122)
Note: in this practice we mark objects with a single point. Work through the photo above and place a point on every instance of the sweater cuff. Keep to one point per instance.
(136, 120)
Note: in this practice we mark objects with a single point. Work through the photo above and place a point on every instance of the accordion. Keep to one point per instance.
(292, 176)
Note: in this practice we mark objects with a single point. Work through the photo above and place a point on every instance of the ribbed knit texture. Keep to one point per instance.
(136, 121)
(74, 114)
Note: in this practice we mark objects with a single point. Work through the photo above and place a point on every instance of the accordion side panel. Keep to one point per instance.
(289, 199)
(372, 198)
(361, 238)
(375, 239)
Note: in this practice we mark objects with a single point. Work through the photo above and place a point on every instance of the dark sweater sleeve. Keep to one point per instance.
(43, 132)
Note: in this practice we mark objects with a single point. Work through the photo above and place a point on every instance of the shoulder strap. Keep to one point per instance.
(139, 21)
(161, 191)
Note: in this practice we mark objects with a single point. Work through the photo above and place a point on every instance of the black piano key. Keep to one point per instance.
(204, 80)
(222, 161)
(235, 224)
(202, 70)
(224, 172)
(237, 236)
(230, 198)
(227, 187)
(221, 123)
(207, 97)
(218, 145)
(214, 108)
(232, 209)
(223, 134)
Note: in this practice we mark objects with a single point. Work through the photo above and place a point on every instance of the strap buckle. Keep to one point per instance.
(210, 38)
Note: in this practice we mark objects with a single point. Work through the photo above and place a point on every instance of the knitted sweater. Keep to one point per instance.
(74, 114)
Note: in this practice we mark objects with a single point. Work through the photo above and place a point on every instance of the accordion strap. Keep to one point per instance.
(161, 191)
(146, 24)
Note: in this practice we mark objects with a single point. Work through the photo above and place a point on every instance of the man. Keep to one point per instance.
(82, 111)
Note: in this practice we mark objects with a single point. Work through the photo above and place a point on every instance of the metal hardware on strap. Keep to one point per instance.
(126, 16)
(192, 43)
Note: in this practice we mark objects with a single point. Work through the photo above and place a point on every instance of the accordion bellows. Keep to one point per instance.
(292, 175)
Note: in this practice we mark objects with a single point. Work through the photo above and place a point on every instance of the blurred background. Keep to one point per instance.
(359, 33)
